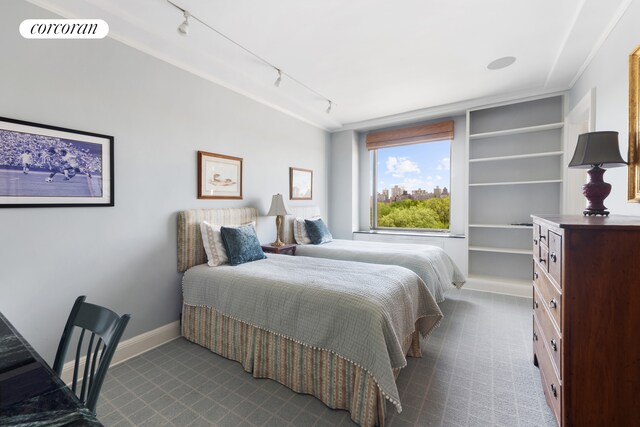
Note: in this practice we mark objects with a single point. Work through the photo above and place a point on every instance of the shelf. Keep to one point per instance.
(518, 156)
(516, 131)
(506, 226)
(499, 280)
(548, 181)
(501, 250)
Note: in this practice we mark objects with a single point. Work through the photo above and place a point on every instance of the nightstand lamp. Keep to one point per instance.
(594, 150)
(278, 209)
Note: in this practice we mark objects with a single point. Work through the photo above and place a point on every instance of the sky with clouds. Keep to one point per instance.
(415, 166)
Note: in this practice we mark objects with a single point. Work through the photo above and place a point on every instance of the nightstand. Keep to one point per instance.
(286, 249)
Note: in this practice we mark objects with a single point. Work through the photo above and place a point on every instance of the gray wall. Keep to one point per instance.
(608, 73)
(343, 182)
(124, 257)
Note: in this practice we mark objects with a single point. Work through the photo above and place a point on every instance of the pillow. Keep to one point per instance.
(318, 231)
(242, 244)
(300, 232)
(212, 241)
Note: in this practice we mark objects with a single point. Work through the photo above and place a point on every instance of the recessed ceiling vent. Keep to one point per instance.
(500, 63)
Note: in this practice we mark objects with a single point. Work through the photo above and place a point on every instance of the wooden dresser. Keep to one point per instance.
(586, 317)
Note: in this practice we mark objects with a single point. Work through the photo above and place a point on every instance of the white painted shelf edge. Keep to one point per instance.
(547, 181)
(517, 156)
(501, 280)
(509, 226)
(501, 250)
(517, 131)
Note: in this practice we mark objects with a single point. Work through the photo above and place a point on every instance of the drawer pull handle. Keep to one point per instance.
(535, 336)
(543, 261)
(535, 241)
(535, 304)
(553, 257)
(553, 303)
(535, 275)
(543, 237)
(554, 345)
(554, 390)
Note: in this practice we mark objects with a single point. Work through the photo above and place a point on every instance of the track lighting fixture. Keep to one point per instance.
(184, 27)
(279, 79)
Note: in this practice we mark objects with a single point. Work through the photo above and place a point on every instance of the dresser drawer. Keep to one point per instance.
(543, 259)
(536, 241)
(550, 382)
(554, 259)
(549, 335)
(549, 295)
(544, 235)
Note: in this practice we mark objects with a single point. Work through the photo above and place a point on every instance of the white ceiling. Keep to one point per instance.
(372, 58)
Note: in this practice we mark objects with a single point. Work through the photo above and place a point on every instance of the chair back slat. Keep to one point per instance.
(94, 360)
(87, 366)
(76, 364)
(107, 327)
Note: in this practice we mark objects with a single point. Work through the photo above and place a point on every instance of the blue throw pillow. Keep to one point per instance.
(242, 244)
(318, 231)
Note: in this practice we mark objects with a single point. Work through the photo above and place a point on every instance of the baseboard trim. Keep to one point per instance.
(499, 287)
(132, 347)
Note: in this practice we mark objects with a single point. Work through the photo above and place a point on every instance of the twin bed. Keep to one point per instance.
(430, 263)
(336, 329)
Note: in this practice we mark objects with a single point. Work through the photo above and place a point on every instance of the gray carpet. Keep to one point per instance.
(476, 370)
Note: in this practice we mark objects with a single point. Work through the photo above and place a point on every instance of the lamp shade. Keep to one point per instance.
(597, 148)
(277, 206)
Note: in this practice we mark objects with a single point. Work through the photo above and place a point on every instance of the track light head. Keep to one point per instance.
(184, 27)
(279, 79)
(329, 107)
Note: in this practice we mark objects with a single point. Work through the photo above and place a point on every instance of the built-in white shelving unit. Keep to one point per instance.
(515, 154)
(511, 226)
(500, 250)
(519, 156)
(544, 181)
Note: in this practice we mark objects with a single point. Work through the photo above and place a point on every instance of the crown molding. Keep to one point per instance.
(603, 37)
(447, 110)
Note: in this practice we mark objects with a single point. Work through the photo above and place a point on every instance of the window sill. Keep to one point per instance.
(413, 233)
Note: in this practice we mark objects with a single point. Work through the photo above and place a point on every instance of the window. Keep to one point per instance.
(411, 181)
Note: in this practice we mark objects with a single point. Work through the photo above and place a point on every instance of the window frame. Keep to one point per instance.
(374, 197)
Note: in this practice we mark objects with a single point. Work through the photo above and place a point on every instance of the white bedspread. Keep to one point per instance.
(431, 263)
(359, 311)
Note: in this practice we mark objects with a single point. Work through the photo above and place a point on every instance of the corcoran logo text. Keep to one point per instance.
(64, 29)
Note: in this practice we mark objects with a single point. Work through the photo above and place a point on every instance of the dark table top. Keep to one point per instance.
(31, 394)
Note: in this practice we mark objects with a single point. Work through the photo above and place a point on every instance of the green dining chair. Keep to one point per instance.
(108, 327)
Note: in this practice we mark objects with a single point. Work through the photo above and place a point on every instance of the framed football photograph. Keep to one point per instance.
(50, 166)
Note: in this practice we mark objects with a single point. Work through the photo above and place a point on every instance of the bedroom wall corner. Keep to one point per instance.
(608, 73)
(124, 257)
(344, 184)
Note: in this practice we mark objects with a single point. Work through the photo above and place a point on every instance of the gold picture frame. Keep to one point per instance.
(219, 176)
(300, 184)
(634, 126)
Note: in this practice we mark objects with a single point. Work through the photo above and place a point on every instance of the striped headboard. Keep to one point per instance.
(305, 212)
(190, 249)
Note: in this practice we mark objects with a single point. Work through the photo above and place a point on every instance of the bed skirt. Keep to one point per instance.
(337, 382)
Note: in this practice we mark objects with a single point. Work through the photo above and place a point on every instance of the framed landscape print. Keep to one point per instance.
(219, 177)
(49, 166)
(300, 184)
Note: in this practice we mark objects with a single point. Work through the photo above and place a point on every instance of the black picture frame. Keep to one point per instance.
(51, 166)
